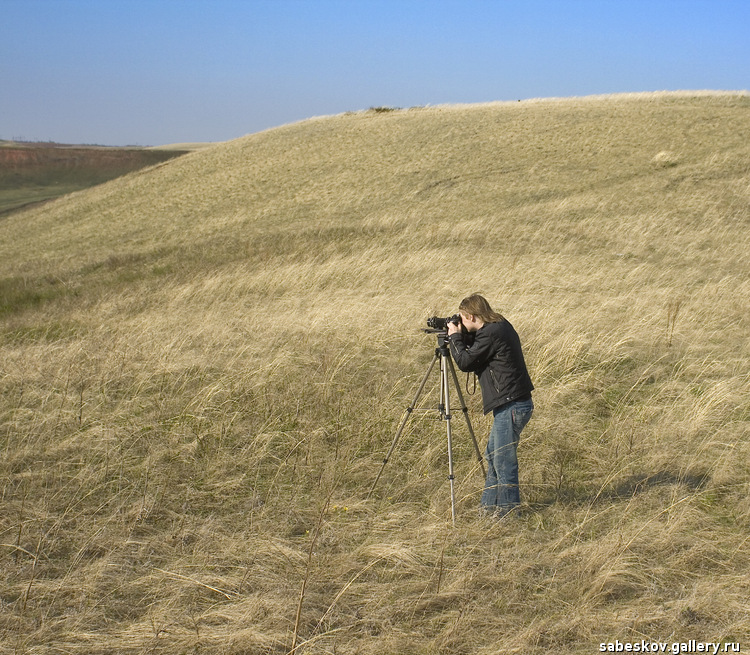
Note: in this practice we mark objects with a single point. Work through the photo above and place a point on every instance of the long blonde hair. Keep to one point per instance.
(476, 305)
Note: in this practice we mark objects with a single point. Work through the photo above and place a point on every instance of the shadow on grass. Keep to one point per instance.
(630, 487)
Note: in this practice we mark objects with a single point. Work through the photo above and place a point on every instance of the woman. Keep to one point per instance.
(496, 357)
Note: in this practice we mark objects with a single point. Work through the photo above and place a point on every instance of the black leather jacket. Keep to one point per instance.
(496, 357)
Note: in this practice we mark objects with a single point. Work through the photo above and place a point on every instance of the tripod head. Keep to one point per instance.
(442, 337)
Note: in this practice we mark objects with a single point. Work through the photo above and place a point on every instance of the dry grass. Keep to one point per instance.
(203, 365)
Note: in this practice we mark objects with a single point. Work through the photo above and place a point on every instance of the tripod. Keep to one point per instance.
(442, 354)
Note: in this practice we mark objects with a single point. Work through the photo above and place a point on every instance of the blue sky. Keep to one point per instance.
(148, 72)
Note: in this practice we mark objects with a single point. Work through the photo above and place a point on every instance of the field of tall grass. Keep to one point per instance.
(203, 364)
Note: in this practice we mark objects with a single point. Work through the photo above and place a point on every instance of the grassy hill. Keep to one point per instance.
(36, 172)
(203, 364)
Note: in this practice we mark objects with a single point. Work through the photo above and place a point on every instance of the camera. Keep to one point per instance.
(437, 323)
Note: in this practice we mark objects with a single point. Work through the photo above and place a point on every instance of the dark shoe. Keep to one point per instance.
(512, 511)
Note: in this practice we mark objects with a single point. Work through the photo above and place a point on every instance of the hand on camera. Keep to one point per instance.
(453, 327)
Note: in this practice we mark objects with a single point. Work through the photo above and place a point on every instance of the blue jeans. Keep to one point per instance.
(501, 487)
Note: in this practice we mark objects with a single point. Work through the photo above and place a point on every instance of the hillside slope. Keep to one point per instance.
(203, 364)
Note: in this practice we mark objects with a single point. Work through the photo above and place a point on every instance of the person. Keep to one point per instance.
(495, 356)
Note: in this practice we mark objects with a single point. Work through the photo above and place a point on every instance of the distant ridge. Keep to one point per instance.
(33, 172)
(186, 147)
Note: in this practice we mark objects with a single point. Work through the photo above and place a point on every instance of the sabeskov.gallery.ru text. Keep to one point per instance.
(676, 647)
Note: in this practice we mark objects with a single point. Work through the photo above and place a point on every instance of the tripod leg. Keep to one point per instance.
(465, 410)
(446, 395)
(401, 427)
